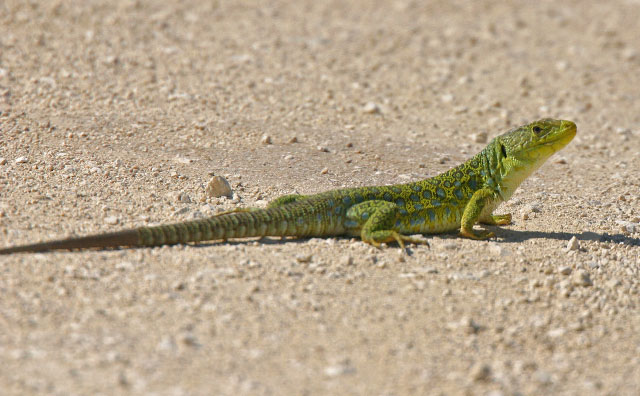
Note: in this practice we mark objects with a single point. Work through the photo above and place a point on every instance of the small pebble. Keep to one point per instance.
(184, 197)
(166, 344)
(480, 372)
(3, 161)
(446, 98)
(324, 171)
(628, 226)
(304, 258)
(124, 266)
(111, 220)
(371, 108)
(190, 340)
(629, 54)
(612, 283)
(346, 261)
(218, 187)
(480, 137)
(469, 325)
(266, 139)
(339, 369)
(498, 250)
(582, 278)
(565, 270)
(557, 332)
(22, 160)
(542, 377)
(573, 244)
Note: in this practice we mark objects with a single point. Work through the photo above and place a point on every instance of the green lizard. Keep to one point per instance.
(456, 199)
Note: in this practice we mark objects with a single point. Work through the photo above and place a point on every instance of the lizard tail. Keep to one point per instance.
(294, 221)
(112, 239)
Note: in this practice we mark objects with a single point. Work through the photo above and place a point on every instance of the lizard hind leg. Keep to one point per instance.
(377, 222)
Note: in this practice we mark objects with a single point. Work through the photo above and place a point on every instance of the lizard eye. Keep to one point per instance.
(537, 129)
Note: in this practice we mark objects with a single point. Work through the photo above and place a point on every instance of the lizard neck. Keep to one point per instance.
(505, 173)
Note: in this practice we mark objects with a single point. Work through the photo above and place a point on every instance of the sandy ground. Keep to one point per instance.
(116, 114)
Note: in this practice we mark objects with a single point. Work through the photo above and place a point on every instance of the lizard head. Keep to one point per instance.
(522, 150)
(537, 141)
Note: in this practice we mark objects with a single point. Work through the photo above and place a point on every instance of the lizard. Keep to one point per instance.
(454, 200)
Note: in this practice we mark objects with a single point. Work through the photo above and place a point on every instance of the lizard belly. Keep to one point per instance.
(432, 221)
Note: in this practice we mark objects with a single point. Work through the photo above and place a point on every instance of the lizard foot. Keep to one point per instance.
(504, 219)
(390, 236)
(478, 235)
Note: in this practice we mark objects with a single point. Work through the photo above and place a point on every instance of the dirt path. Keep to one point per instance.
(116, 114)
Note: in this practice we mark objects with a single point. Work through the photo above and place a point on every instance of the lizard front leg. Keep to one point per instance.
(377, 222)
(504, 219)
(472, 213)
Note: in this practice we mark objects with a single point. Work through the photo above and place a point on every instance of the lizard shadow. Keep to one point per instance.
(505, 236)
(514, 236)
(266, 240)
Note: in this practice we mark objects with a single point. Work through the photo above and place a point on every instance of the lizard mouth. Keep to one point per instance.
(567, 133)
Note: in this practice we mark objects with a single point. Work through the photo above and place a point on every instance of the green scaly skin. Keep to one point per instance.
(456, 199)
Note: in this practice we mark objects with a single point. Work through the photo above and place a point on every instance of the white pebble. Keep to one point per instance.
(614, 283)
(629, 226)
(339, 369)
(370, 108)
(573, 244)
(446, 98)
(498, 250)
(346, 260)
(582, 278)
(557, 332)
(22, 160)
(266, 139)
(166, 344)
(629, 54)
(566, 270)
(304, 258)
(124, 266)
(111, 220)
(218, 186)
(532, 208)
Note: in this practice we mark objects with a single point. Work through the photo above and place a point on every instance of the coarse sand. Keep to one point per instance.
(116, 114)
